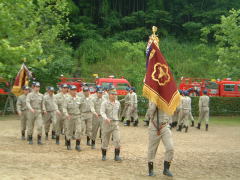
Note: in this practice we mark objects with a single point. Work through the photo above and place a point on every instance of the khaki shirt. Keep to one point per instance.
(71, 105)
(110, 110)
(80, 94)
(86, 105)
(203, 101)
(21, 103)
(186, 103)
(133, 99)
(35, 101)
(162, 116)
(50, 103)
(97, 102)
(60, 98)
(126, 99)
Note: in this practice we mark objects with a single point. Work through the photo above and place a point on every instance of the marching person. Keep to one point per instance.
(50, 113)
(126, 104)
(35, 106)
(22, 110)
(203, 109)
(159, 130)
(110, 113)
(132, 108)
(97, 120)
(87, 111)
(61, 119)
(71, 110)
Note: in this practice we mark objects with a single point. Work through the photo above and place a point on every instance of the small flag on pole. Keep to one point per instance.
(159, 84)
(22, 79)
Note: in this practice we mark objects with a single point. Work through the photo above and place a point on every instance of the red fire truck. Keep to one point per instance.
(224, 88)
(120, 83)
(4, 86)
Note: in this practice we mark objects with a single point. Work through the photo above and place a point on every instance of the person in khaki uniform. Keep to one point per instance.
(159, 130)
(185, 112)
(22, 110)
(132, 109)
(35, 106)
(50, 115)
(71, 110)
(126, 104)
(203, 109)
(110, 113)
(97, 120)
(61, 119)
(87, 111)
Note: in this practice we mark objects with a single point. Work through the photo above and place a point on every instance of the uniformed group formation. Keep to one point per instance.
(82, 114)
(75, 114)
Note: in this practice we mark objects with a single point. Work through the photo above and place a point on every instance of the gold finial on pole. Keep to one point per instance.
(24, 60)
(154, 37)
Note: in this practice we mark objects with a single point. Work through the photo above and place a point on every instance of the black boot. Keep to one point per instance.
(104, 154)
(186, 130)
(199, 126)
(39, 140)
(93, 144)
(122, 119)
(69, 145)
(146, 123)
(30, 140)
(57, 140)
(23, 135)
(174, 124)
(166, 169)
(179, 128)
(132, 119)
(88, 141)
(46, 136)
(78, 145)
(53, 135)
(206, 127)
(192, 124)
(117, 157)
(127, 123)
(150, 169)
(135, 123)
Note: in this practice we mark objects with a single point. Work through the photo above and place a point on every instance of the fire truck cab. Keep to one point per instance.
(121, 84)
(228, 88)
(4, 86)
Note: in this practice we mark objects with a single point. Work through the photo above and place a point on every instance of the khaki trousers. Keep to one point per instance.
(154, 140)
(96, 124)
(109, 129)
(32, 118)
(73, 124)
(23, 120)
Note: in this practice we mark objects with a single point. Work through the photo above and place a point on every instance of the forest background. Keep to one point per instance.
(78, 38)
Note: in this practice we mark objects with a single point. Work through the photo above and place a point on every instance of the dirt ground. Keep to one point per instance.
(198, 155)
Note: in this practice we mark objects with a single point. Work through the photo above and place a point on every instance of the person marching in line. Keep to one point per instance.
(22, 110)
(97, 120)
(110, 113)
(186, 107)
(180, 113)
(126, 104)
(203, 109)
(159, 130)
(132, 109)
(87, 111)
(176, 115)
(61, 119)
(35, 106)
(50, 115)
(71, 109)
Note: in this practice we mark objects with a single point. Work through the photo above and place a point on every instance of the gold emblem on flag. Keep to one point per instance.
(161, 74)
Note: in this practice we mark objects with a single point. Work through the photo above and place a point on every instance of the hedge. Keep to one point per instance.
(219, 106)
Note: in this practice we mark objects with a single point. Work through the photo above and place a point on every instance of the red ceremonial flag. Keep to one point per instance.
(159, 84)
(22, 79)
